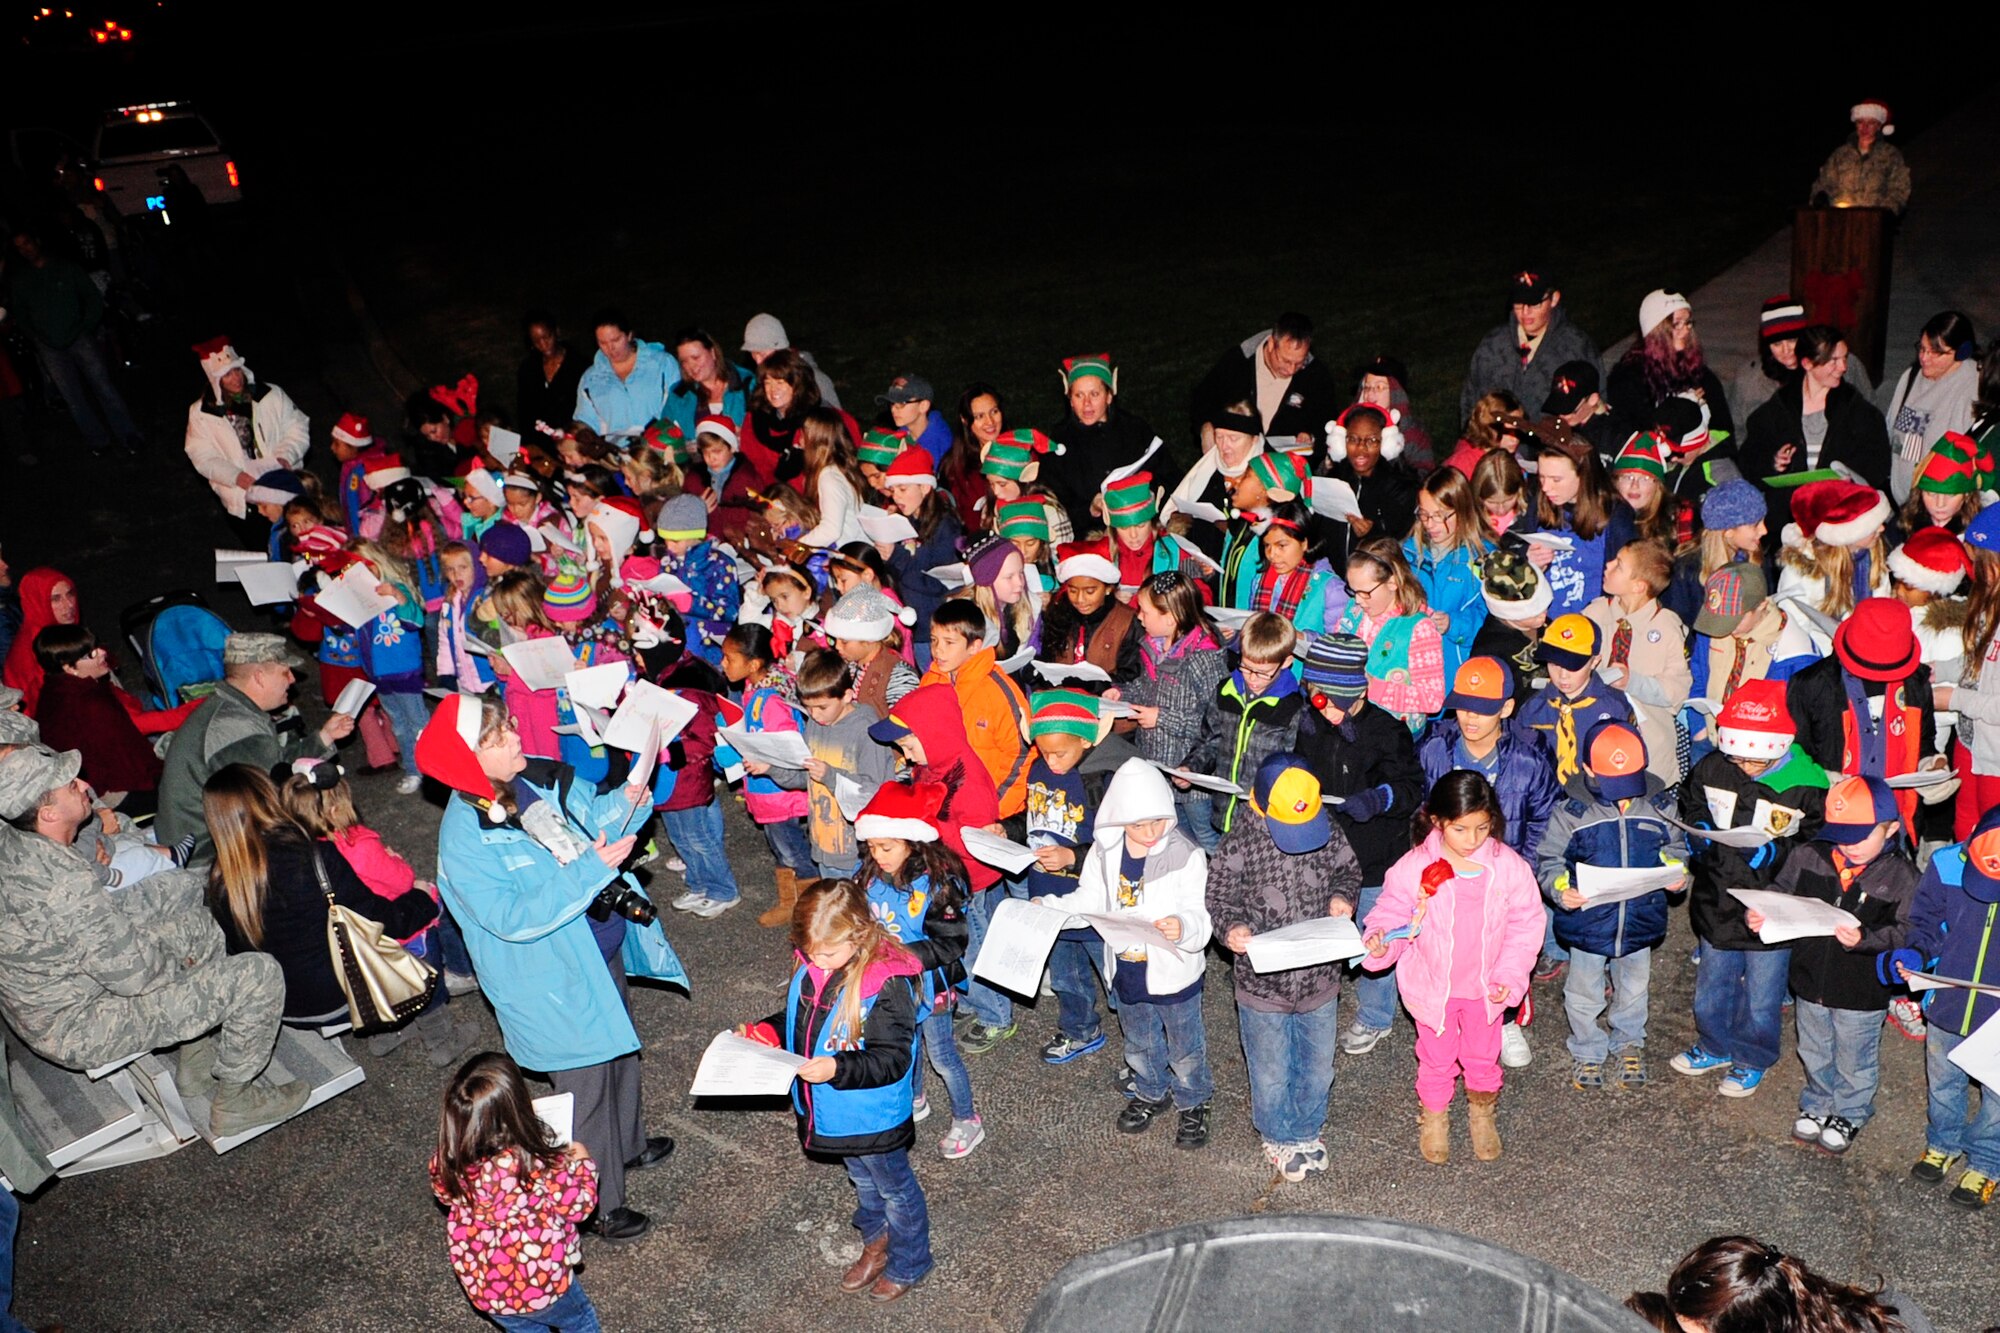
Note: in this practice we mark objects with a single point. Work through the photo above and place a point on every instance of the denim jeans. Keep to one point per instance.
(10, 1221)
(1738, 998)
(697, 835)
(1583, 1001)
(790, 847)
(1196, 809)
(1374, 992)
(452, 955)
(94, 402)
(942, 1047)
(1551, 949)
(407, 714)
(1290, 1060)
(1946, 1130)
(1840, 1050)
(1168, 1039)
(1074, 977)
(572, 1312)
(888, 1198)
(989, 1006)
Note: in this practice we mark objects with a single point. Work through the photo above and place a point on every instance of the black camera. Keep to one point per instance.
(626, 901)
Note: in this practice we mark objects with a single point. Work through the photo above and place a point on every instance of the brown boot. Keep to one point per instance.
(1485, 1133)
(780, 912)
(862, 1273)
(1434, 1135)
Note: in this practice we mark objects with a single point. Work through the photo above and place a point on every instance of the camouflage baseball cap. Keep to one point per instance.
(10, 698)
(32, 772)
(255, 649)
(19, 729)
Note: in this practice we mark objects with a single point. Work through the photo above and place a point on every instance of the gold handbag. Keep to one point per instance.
(384, 983)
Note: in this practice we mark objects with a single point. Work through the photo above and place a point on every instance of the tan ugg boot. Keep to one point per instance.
(1485, 1133)
(1434, 1135)
(780, 912)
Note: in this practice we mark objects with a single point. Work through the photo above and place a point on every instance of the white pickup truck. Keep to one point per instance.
(135, 146)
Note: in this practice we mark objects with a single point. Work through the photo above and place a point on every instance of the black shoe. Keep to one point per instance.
(658, 1150)
(620, 1226)
(1137, 1117)
(1123, 1080)
(1192, 1132)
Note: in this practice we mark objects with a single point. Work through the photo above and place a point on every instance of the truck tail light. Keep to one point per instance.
(234, 184)
(97, 183)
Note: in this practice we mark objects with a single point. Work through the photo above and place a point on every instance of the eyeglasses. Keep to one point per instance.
(1365, 592)
(1253, 672)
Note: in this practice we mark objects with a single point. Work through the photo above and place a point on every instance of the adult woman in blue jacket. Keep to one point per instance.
(625, 389)
(525, 855)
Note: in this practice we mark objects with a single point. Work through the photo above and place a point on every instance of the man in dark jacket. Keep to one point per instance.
(1274, 370)
(1522, 355)
(60, 308)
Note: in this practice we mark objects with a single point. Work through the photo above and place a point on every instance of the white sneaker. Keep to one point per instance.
(408, 784)
(1359, 1039)
(675, 864)
(1514, 1052)
(920, 1108)
(709, 908)
(688, 901)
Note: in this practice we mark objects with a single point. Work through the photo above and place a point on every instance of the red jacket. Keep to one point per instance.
(88, 715)
(933, 713)
(694, 781)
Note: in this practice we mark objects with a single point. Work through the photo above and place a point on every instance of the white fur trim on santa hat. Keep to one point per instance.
(1088, 565)
(349, 437)
(1851, 532)
(720, 427)
(383, 478)
(482, 483)
(1875, 111)
(1939, 582)
(882, 826)
(466, 721)
(1748, 744)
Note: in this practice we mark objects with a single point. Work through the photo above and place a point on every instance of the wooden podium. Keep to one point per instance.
(1840, 270)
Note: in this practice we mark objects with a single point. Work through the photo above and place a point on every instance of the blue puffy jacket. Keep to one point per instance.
(1588, 829)
(1452, 585)
(1957, 935)
(1526, 786)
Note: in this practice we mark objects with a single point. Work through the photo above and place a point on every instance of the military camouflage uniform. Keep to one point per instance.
(1879, 180)
(87, 977)
(227, 729)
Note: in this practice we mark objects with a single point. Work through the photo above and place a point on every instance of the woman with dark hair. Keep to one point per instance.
(709, 384)
(1934, 396)
(625, 389)
(545, 384)
(1777, 358)
(1096, 428)
(1817, 420)
(1666, 362)
(1736, 1284)
(980, 419)
(784, 389)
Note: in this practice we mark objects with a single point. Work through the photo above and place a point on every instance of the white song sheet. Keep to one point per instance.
(1979, 1054)
(1018, 940)
(1616, 884)
(780, 749)
(1324, 939)
(1790, 918)
(542, 664)
(734, 1066)
(1010, 856)
(883, 525)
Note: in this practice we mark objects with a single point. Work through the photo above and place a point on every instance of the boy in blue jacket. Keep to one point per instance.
(1576, 698)
(682, 525)
(1955, 932)
(1614, 814)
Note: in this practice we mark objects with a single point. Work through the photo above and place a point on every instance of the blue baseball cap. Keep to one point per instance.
(1287, 795)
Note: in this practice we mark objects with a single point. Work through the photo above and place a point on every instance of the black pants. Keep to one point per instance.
(608, 1119)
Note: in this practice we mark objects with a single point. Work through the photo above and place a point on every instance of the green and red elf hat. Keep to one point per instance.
(881, 447)
(1066, 713)
(1016, 455)
(1283, 475)
(1953, 467)
(1130, 501)
(1023, 518)
(667, 437)
(1644, 452)
(1090, 365)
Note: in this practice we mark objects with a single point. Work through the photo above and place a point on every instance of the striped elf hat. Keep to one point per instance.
(1952, 466)
(569, 598)
(1090, 365)
(880, 447)
(1644, 452)
(1129, 502)
(1016, 456)
(1023, 518)
(1283, 475)
(1065, 713)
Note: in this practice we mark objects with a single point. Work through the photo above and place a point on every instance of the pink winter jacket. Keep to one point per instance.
(1510, 935)
(375, 865)
(535, 712)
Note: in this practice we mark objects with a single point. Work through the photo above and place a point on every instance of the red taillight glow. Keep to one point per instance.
(233, 182)
(97, 182)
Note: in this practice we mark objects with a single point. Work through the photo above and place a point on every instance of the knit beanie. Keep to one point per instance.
(1933, 560)
(1755, 722)
(1616, 757)
(1854, 806)
(1066, 713)
(1781, 317)
(1337, 665)
(866, 615)
(1513, 588)
(1658, 307)
(1024, 518)
(1951, 466)
(569, 599)
(1016, 455)
(683, 518)
(1129, 502)
(506, 543)
(1733, 504)
(988, 558)
(276, 487)
(881, 446)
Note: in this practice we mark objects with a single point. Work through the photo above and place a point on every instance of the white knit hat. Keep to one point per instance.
(764, 333)
(866, 615)
(1658, 306)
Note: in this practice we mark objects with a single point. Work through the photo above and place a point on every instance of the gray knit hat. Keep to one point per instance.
(1733, 504)
(866, 615)
(682, 518)
(32, 772)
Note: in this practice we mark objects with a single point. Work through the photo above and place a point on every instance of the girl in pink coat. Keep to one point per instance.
(1461, 918)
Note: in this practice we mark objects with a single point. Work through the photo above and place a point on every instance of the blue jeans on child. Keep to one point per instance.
(1840, 1049)
(1738, 998)
(10, 1221)
(1163, 1040)
(1551, 949)
(1290, 1059)
(1196, 809)
(450, 944)
(1946, 1130)
(1583, 1001)
(942, 1046)
(790, 847)
(888, 1198)
(697, 835)
(1374, 992)
(572, 1313)
(407, 715)
(1074, 977)
(989, 1006)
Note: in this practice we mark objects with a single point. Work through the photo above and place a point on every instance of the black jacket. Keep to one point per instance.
(1092, 451)
(1312, 399)
(1825, 971)
(552, 401)
(1379, 751)
(1632, 402)
(1387, 498)
(888, 1035)
(1855, 435)
(295, 919)
(1818, 702)
(1796, 782)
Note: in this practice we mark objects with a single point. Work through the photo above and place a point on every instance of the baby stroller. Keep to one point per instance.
(179, 643)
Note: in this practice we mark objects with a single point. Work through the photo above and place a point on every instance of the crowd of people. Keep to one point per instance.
(1549, 678)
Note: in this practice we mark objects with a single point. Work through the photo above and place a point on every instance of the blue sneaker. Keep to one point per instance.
(1695, 1060)
(1066, 1048)
(1741, 1082)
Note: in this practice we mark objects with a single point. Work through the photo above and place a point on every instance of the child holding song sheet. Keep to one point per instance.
(1287, 865)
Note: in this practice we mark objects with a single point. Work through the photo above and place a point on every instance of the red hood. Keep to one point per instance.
(934, 714)
(23, 670)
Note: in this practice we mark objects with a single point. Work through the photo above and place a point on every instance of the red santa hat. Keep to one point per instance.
(718, 425)
(1877, 111)
(1835, 513)
(447, 751)
(1755, 723)
(352, 429)
(1081, 560)
(382, 469)
(486, 485)
(1933, 560)
(913, 467)
(906, 810)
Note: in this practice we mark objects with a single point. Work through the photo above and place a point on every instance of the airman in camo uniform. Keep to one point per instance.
(87, 976)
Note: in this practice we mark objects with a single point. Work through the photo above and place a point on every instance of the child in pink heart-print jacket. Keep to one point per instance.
(513, 1200)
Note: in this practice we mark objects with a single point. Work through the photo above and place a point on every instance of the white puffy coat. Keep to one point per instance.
(282, 431)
